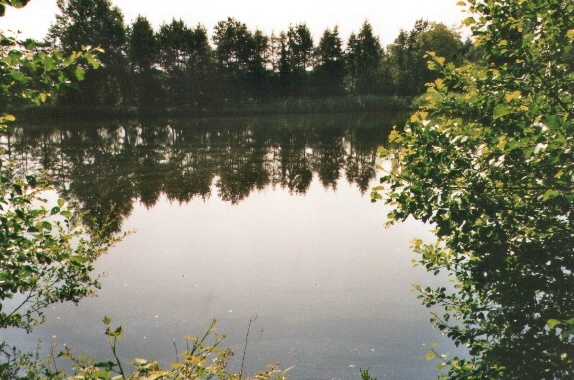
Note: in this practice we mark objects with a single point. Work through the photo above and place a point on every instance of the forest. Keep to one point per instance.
(189, 68)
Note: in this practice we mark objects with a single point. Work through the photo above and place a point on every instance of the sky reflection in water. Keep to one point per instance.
(265, 217)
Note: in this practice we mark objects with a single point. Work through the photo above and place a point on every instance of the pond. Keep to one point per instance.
(239, 219)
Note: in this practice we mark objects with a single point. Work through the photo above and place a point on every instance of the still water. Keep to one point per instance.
(236, 219)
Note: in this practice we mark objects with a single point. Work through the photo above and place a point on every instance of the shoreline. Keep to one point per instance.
(285, 106)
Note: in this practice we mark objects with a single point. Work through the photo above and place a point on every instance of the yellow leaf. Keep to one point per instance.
(423, 115)
(439, 83)
(469, 21)
(196, 360)
(431, 355)
(513, 95)
(394, 136)
(414, 118)
(461, 4)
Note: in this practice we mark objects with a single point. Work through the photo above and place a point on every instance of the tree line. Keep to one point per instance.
(182, 66)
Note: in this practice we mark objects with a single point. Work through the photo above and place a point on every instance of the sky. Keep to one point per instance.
(387, 17)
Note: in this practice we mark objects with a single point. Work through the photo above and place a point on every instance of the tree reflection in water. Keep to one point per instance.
(105, 168)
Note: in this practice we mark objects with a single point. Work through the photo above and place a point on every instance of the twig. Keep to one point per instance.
(176, 354)
(53, 357)
(113, 344)
(251, 320)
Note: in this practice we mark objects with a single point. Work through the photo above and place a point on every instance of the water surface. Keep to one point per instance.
(237, 218)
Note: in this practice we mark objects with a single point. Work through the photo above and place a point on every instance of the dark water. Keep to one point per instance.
(236, 218)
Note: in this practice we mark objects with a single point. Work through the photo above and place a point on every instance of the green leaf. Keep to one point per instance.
(552, 323)
(549, 194)
(553, 121)
(17, 188)
(92, 61)
(66, 214)
(48, 63)
(31, 180)
(77, 259)
(103, 375)
(108, 365)
(17, 76)
(80, 73)
(500, 111)
(469, 21)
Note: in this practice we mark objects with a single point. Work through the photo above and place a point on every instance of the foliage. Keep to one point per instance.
(365, 375)
(46, 254)
(300, 47)
(489, 163)
(99, 24)
(242, 56)
(176, 66)
(202, 359)
(364, 54)
(143, 54)
(405, 58)
(330, 66)
(187, 64)
(142, 45)
(34, 74)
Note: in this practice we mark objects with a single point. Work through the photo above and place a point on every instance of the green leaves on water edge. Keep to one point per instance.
(47, 253)
(488, 162)
(202, 359)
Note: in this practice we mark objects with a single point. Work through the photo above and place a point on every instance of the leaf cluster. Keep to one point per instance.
(201, 360)
(31, 72)
(488, 161)
(47, 255)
